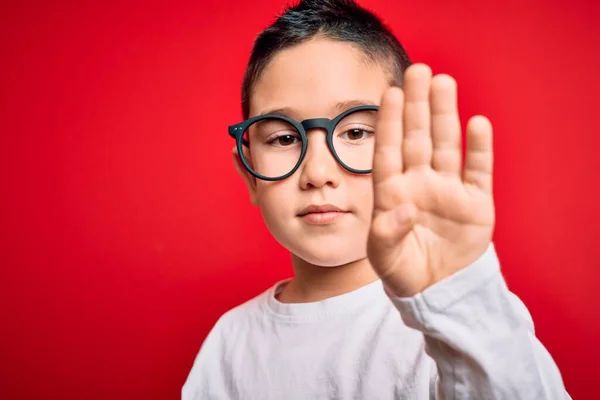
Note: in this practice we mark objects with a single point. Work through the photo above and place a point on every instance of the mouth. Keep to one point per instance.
(321, 214)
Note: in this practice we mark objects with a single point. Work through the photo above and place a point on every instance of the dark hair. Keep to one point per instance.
(340, 20)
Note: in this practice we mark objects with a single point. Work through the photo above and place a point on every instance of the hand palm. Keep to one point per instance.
(430, 220)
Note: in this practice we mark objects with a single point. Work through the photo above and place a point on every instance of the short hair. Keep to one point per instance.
(338, 20)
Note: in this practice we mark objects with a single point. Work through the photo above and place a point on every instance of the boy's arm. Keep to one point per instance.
(433, 220)
(481, 337)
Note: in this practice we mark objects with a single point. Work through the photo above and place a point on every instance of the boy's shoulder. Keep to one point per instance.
(248, 313)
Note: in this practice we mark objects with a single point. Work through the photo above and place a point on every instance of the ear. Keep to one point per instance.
(248, 178)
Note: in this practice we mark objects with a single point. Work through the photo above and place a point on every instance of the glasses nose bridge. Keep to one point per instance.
(316, 123)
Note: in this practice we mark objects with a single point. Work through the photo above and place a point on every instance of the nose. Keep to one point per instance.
(319, 168)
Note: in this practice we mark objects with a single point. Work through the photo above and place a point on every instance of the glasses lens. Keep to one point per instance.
(354, 139)
(275, 147)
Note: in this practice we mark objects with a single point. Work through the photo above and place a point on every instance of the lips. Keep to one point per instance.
(320, 209)
(321, 214)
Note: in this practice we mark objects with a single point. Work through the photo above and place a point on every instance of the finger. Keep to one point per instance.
(387, 158)
(479, 158)
(417, 137)
(445, 125)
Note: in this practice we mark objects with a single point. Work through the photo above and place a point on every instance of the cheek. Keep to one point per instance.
(274, 201)
(362, 192)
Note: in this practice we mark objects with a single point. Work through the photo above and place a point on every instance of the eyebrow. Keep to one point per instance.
(339, 107)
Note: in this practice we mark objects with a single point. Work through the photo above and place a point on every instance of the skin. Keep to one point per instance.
(418, 218)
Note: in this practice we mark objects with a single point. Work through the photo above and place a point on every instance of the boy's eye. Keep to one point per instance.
(284, 140)
(355, 135)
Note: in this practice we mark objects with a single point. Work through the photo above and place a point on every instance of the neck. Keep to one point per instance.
(315, 283)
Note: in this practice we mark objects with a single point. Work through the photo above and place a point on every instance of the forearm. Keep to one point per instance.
(481, 337)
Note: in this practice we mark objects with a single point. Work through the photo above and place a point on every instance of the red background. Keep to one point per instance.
(126, 233)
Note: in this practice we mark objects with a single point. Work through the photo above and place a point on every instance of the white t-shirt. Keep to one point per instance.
(466, 337)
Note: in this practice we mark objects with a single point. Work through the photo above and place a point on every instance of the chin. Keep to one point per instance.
(328, 257)
(332, 248)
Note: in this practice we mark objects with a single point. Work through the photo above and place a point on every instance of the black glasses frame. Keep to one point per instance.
(237, 131)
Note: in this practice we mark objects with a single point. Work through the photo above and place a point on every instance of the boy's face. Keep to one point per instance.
(309, 80)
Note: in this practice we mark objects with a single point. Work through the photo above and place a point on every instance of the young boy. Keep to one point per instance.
(397, 291)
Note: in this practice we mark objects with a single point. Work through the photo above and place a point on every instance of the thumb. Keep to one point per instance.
(389, 228)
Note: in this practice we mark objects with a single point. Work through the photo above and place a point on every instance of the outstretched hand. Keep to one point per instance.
(433, 216)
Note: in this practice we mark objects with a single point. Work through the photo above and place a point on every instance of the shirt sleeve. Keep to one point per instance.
(208, 379)
(481, 337)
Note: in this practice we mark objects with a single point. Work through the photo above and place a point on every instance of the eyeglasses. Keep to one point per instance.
(276, 145)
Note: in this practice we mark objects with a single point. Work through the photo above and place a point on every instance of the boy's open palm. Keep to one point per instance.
(432, 216)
